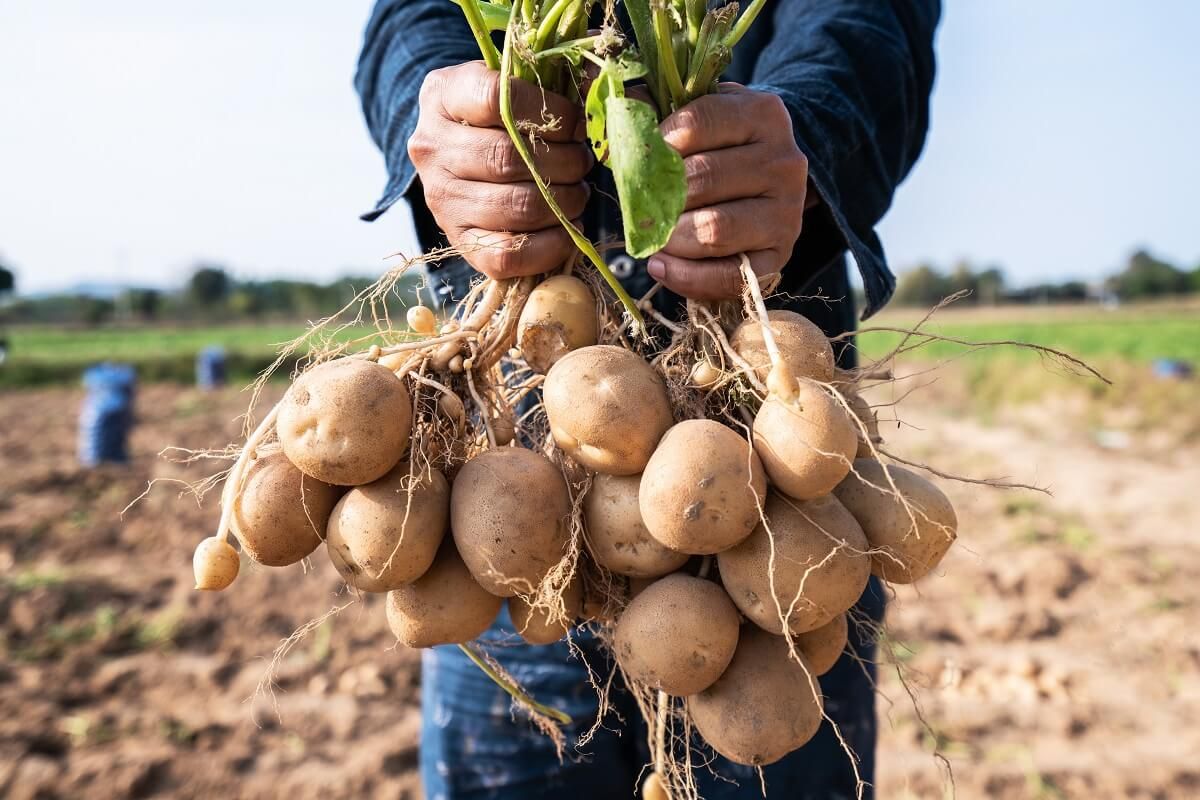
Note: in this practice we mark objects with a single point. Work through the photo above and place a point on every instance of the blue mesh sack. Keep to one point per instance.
(107, 414)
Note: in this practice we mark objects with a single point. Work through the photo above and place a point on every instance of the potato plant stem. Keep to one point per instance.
(483, 37)
(514, 691)
(744, 22)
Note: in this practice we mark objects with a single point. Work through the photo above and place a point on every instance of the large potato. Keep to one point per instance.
(607, 408)
(824, 646)
(763, 707)
(868, 420)
(806, 445)
(701, 491)
(281, 514)
(908, 551)
(558, 317)
(617, 538)
(677, 635)
(509, 513)
(386, 533)
(345, 422)
(801, 343)
(820, 566)
(537, 626)
(443, 606)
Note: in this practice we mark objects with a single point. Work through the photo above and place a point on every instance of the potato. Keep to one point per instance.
(607, 408)
(763, 707)
(558, 317)
(617, 539)
(345, 422)
(509, 513)
(536, 626)
(801, 343)
(215, 564)
(677, 635)
(654, 788)
(386, 534)
(824, 646)
(443, 606)
(281, 514)
(701, 491)
(820, 565)
(909, 552)
(806, 445)
(867, 417)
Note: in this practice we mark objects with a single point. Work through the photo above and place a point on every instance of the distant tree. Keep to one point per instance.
(990, 286)
(923, 286)
(8, 281)
(142, 303)
(1146, 276)
(92, 310)
(208, 287)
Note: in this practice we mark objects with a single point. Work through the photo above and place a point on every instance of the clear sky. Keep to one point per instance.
(137, 137)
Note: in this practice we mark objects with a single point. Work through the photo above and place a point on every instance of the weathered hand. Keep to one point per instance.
(476, 185)
(747, 190)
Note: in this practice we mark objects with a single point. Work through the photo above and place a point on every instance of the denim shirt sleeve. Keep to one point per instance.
(855, 76)
(404, 40)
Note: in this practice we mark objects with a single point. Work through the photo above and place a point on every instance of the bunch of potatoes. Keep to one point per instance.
(794, 514)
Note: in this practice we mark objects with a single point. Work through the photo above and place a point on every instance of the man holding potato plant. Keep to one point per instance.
(793, 164)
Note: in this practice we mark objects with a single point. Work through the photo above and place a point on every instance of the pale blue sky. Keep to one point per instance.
(138, 136)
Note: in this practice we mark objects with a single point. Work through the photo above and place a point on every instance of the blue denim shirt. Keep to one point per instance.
(854, 74)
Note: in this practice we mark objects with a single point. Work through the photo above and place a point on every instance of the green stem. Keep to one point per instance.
(583, 45)
(480, 30)
(666, 53)
(744, 22)
(514, 691)
(643, 31)
(518, 140)
(546, 28)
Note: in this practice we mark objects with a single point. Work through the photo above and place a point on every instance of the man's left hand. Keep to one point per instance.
(747, 187)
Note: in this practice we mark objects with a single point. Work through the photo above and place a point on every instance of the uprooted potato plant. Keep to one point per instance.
(709, 494)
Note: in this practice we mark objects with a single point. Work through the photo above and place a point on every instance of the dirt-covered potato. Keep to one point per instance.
(443, 606)
(820, 565)
(806, 445)
(677, 635)
(558, 317)
(281, 514)
(616, 536)
(763, 707)
(536, 626)
(701, 492)
(908, 551)
(345, 422)
(801, 343)
(825, 645)
(607, 408)
(386, 533)
(509, 513)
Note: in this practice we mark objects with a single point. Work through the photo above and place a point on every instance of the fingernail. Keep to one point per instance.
(657, 268)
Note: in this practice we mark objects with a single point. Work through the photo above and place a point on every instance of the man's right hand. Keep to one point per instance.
(476, 185)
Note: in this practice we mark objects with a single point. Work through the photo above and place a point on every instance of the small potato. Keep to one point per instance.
(764, 705)
(801, 343)
(820, 565)
(509, 513)
(617, 539)
(677, 635)
(215, 564)
(701, 491)
(385, 534)
(536, 626)
(607, 408)
(345, 422)
(824, 646)
(908, 551)
(806, 445)
(281, 514)
(443, 606)
(558, 317)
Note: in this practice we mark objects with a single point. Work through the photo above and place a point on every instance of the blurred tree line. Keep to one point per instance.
(1142, 277)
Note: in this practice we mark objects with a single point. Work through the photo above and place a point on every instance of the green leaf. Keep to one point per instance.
(604, 87)
(651, 184)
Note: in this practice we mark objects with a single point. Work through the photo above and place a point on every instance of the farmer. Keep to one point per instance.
(793, 162)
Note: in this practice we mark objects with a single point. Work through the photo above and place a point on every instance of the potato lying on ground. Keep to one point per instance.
(824, 646)
(281, 514)
(763, 706)
(536, 626)
(386, 533)
(443, 606)
(820, 565)
(607, 408)
(806, 445)
(801, 343)
(701, 491)
(509, 514)
(677, 635)
(345, 422)
(617, 538)
(909, 551)
(558, 317)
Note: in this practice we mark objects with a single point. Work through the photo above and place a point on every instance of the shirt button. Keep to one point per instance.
(622, 266)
